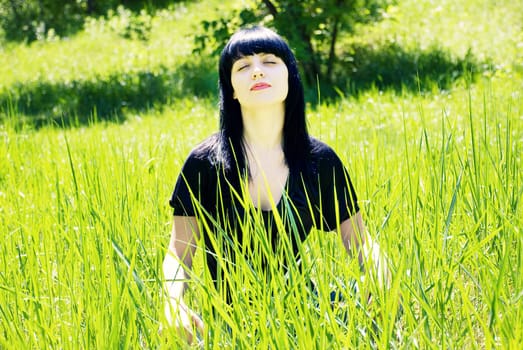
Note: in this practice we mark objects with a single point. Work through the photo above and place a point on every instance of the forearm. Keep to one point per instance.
(375, 262)
(355, 240)
(358, 242)
(178, 259)
(365, 250)
(174, 276)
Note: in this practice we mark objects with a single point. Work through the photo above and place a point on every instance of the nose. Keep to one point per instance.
(257, 73)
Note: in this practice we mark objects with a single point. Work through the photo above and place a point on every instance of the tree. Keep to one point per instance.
(312, 27)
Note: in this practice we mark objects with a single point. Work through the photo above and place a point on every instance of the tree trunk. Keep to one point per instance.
(332, 48)
(311, 69)
(334, 38)
(270, 6)
(90, 6)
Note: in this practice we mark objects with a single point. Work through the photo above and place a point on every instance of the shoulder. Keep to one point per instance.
(207, 150)
(321, 159)
(204, 155)
(322, 152)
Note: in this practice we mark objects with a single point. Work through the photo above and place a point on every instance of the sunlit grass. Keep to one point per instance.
(86, 223)
(487, 29)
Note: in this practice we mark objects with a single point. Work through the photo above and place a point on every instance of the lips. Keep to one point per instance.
(260, 86)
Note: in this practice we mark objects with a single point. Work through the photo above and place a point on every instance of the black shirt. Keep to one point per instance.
(320, 197)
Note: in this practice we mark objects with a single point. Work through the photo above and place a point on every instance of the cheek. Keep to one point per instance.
(236, 83)
(285, 77)
(285, 82)
(235, 89)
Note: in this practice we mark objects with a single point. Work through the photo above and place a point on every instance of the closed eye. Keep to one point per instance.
(240, 65)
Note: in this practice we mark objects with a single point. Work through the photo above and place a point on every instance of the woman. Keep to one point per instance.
(262, 155)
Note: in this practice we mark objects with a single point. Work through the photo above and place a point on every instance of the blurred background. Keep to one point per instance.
(71, 61)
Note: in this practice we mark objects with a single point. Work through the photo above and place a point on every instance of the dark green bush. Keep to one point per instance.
(390, 66)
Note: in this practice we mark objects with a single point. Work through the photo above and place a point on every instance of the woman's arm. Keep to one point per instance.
(352, 235)
(356, 240)
(182, 247)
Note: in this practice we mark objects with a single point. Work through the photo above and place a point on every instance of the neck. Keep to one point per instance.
(263, 127)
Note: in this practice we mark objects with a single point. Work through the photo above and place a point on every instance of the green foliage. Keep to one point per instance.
(30, 20)
(130, 26)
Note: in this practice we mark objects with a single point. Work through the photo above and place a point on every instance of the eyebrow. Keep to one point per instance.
(257, 53)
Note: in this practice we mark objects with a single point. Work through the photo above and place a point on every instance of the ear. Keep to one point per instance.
(234, 95)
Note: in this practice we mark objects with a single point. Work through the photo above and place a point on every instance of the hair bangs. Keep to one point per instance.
(255, 41)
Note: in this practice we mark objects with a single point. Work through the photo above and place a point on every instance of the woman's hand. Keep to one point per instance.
(186, 321)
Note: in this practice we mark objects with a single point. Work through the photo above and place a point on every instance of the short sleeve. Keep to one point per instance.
(190, 185)
(338, 198)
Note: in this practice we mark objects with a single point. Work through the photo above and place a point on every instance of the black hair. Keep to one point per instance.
(296, 142)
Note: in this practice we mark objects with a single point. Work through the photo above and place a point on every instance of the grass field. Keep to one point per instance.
(85, 217)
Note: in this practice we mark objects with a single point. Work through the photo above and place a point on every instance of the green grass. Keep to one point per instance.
(85, 218)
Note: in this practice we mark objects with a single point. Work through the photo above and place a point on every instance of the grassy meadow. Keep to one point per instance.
(84, 208)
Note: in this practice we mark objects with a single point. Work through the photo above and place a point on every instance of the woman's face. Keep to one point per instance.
(259, 79)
